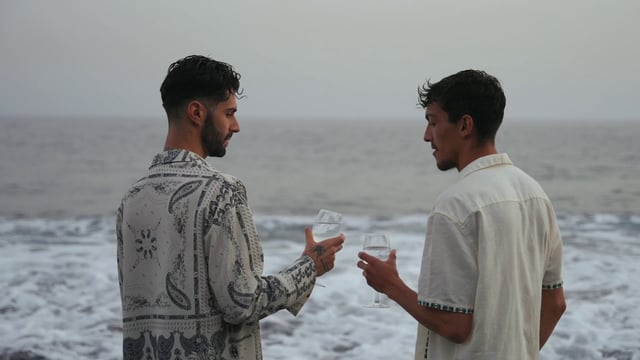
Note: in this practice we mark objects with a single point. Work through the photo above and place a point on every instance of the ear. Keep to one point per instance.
(196, 113)
(466, 125)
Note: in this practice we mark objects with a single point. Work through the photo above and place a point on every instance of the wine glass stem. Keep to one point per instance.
(376, 300)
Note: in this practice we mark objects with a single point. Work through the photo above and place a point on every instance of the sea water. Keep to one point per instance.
(61, 180)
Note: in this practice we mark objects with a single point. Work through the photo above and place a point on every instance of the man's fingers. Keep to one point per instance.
(335, 241)
(392, 257)
(309, 235)
(366, 257)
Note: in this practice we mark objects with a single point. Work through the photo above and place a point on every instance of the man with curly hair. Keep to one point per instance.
(190, 260)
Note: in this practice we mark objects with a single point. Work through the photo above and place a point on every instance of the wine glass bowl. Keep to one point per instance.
(327, 224)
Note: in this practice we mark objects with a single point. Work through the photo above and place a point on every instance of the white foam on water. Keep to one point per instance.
(61, 296)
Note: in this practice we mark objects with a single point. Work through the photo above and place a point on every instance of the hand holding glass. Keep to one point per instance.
(326, 225)
(377, 245)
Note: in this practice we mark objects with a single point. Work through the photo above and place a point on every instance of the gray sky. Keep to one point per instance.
(332, 58)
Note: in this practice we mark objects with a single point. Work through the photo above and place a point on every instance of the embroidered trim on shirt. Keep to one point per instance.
(445, 307)
(553, 286)
(426, 346)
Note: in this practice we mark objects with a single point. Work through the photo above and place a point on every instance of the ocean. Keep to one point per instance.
(62, 178)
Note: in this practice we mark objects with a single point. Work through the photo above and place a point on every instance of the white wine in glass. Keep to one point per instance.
(326, 225)
(377, 245)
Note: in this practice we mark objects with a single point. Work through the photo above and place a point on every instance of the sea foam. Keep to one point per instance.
(61, 298)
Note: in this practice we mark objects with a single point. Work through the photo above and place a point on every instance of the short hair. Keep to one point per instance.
(195, 77)
(468, 92)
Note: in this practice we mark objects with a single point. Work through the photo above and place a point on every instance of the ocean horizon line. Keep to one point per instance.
(310, 118)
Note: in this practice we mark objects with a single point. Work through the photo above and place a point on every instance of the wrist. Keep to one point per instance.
(396, 289)
(312, 262)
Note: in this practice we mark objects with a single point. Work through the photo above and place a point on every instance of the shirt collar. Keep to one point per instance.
(178, 156)
(485, 162)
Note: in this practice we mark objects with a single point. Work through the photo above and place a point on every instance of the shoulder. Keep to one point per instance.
(461, 198)
(224, 196)
(233, 182)
(226, 186)
(524, 186)
(485, 187)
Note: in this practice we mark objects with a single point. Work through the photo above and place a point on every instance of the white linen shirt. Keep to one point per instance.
(492, 246)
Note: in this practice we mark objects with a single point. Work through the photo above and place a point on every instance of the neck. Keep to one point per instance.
(476, 151)
(185, 139)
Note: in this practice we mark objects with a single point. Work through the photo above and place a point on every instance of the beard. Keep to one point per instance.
(212, 141)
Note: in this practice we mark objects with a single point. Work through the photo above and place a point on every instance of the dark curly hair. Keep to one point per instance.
(194, 77)
(468, 92)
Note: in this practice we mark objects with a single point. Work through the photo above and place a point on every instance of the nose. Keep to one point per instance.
(235, 125)
(427, 134)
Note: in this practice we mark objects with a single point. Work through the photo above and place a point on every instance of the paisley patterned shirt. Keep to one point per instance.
(190, 266)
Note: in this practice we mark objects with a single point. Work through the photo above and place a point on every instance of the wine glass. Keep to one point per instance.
(326, 225)
(377, 245)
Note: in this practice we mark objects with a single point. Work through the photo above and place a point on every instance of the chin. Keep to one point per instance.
(444, 166)
(216, 152)
(214, 149)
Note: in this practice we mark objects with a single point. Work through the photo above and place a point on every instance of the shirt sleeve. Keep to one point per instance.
(553, 265)
(241, 292)
(449, 272)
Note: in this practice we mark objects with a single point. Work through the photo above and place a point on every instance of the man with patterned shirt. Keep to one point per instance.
(490, 285)
(190, 260)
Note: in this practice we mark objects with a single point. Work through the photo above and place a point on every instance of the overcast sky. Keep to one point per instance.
(331, 58)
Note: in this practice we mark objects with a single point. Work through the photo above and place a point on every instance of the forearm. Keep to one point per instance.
(552, 307)
(242, 293)
(251, 297)
(408, 300)
(383, 276)
(298, 281)
(547, 324)
(453, 326)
